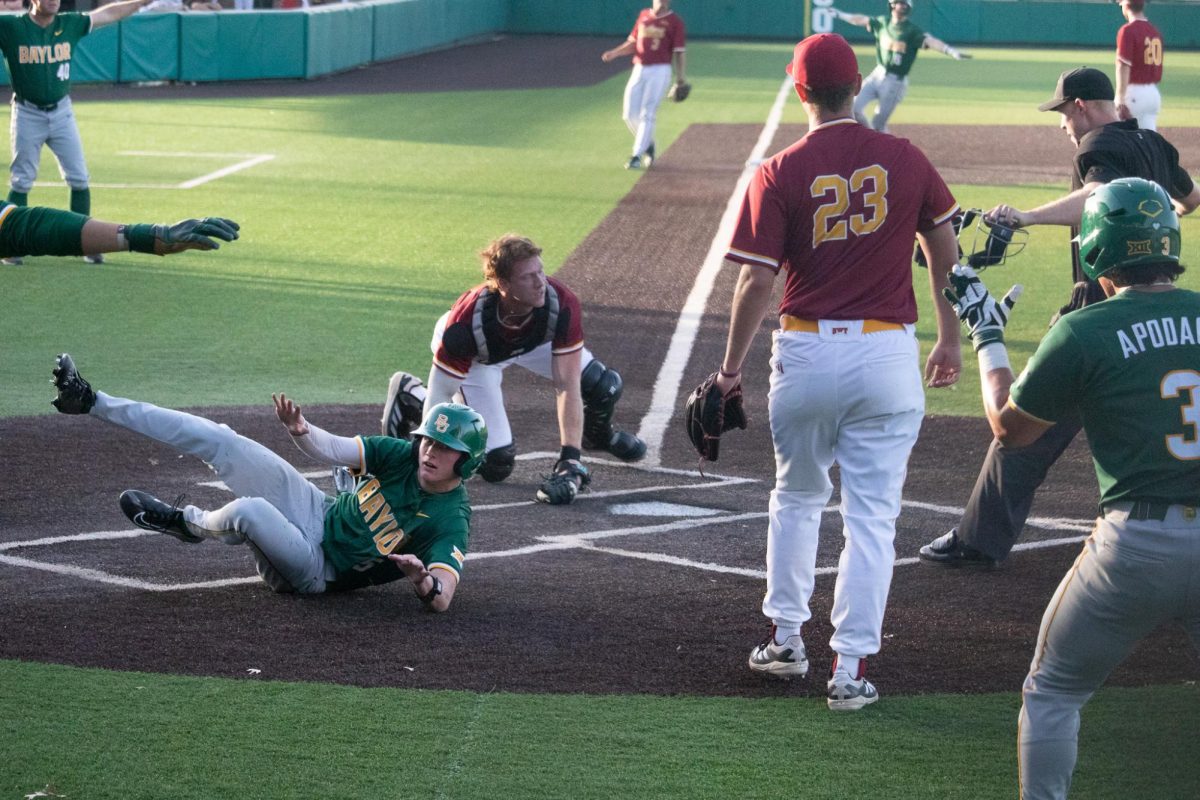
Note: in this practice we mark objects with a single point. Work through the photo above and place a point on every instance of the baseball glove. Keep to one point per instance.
(1083, 294)
(680, 91)
(404, 407)
(708, 414)
(560, 488)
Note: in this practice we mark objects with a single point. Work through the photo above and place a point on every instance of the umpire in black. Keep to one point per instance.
(1108, 148)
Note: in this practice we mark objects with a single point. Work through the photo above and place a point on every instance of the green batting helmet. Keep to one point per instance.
(1125, 223)
(460, 428)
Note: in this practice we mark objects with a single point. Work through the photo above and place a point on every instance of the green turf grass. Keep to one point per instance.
(98, 734)
(357, 236)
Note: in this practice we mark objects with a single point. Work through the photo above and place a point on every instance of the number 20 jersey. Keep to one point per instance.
(839, 210)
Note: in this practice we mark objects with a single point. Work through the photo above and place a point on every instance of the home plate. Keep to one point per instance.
(654, 509)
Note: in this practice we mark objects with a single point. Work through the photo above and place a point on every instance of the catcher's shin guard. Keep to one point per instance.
(601, 389)
(404, 407)
(498, 464)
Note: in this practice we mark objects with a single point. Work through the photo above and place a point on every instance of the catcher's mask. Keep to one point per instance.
(1127, 222)
(460, 428)
(987, 243)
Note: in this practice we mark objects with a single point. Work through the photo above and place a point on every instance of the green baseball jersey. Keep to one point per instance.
(39, 59)
(896, 44)
(38, 231)
(390, 513)
(1130, 366)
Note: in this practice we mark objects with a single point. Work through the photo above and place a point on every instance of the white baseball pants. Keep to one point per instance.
(482, 389)
(30, 129)
(278, 512)
(1144, 102)
(855, 399)
(643, 94)
(883, 88)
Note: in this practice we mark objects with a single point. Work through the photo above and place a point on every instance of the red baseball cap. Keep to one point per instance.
(823, 61)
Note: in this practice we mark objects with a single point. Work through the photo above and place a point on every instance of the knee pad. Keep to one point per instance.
(498, 464)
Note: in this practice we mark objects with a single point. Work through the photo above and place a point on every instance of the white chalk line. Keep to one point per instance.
(670, 375)
(247, 160)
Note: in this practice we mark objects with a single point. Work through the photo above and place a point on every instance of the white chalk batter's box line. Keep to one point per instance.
(589, 541)
(245, 161)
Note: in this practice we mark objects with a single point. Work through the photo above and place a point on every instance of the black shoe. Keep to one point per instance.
(626, 446)
(634, 163)
(648, 156)
(949, 551)
(151, 514)
(75, 395)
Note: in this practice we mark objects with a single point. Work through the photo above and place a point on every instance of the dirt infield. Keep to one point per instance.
(651, 583)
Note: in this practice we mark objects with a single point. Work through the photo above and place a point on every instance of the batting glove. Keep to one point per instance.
(194, 234)
(981, 315)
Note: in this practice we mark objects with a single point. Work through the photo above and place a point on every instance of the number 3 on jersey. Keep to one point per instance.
(1174, 383)
(829, 224)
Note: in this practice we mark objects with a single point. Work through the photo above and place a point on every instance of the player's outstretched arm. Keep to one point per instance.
(424, 581)
(861, 20)
(934, 43)
(317, 444)
(115, 12)
(98, 236)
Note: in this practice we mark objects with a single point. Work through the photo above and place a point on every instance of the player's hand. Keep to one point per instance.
(944, 366)
(982, 316)
(289, 414)
(412, 567)
(1123, 111)
(1007, 215)
(194, 234)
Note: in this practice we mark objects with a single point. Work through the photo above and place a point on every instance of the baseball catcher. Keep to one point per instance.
(680, 91)
(708, 413)
(519, 316)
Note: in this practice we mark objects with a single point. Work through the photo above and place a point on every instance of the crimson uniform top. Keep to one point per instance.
(657, 38)
(1139, 44)
(474, 332)
(839, 210)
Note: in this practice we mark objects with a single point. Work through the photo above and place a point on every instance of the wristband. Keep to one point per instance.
(141, 238)
(733, 374)
(569, 453)
(993, 356)
(433, 592)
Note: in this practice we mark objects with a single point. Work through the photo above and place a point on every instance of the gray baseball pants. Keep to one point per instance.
(278, 513)
(885, 89)
(30, 128)
(1131, 576)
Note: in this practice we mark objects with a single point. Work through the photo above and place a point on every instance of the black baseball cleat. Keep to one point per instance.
(634, 163)
(648, 156)
(626, 446)
(75, 395)
(151, 514)
(949, 551)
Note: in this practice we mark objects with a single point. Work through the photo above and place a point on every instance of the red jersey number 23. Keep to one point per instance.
(830, 223)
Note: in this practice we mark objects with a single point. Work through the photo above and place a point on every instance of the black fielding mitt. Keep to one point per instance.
(708, 414)
(679, 91)
(561, 487)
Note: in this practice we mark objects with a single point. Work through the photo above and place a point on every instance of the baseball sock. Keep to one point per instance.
(18, 198)
(81, 201)
(782, 632)
(848, 664)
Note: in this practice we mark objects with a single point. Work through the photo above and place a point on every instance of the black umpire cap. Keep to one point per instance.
(1082, 83)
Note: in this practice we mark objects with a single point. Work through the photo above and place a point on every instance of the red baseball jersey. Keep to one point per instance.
(657, 38)
(1139, 44)
(839, 210)
(474, 331)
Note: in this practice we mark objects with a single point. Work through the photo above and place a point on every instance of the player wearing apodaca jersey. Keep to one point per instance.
(839, 210)
(520, 316)
(657, 42)
(1139, 66)
(1130, 367)
(39, 48)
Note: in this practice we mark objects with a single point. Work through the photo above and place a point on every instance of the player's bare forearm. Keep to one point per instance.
(861, 20)
(1066, 210)
(995, 386)
(565, 370)
(679, 59)
(1188, 204)
(944, 365)
(115, 12)
(626, 48)
(751, 299)
(1122, 74)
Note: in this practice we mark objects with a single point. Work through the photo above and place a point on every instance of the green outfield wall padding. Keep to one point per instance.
(403, 27)
(150, 47)
(262, 44)
(339, 38)
(97, 56)
(198, 47)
